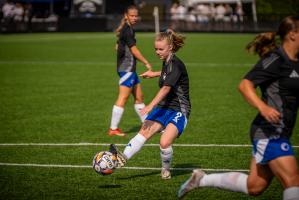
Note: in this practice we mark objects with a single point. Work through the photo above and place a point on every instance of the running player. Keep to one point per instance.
(127, 53)
(277, 75)
(171, 106)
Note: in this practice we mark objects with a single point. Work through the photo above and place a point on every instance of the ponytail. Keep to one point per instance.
(262, 44)
(121, 25)
(174, 39)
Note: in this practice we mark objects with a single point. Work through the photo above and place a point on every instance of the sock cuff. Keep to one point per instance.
(140, 138)
(118, 109)
(291, 193)
(167, 150)
(139, 105)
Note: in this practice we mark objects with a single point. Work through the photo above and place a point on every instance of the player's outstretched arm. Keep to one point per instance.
(137, 54)
(160, 95)
(150, 74)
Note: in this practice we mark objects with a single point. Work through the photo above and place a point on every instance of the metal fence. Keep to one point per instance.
(147, 23)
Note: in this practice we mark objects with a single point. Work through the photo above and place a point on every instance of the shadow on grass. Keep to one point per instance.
(186, 169)
(140, 175)
(109, 186)
(134, 130)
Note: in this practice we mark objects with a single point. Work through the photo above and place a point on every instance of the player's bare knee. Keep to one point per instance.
(255, 189)
(165, 144)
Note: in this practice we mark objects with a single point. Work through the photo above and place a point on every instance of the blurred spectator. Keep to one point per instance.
(228, 13)
(203, 13)
(18, 13)
(191, 18)
(28, 12)
(174, 16)
(8, 10)
(238, 14)
(181, 14)
(220, 12)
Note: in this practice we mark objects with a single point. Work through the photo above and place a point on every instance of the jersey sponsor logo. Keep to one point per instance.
(285, 146)
(294, 74)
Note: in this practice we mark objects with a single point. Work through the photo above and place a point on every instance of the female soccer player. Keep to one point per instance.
(277, 75)
(171, 106)
(127, 53)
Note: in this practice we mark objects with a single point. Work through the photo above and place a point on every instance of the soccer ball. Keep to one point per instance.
(104, 162)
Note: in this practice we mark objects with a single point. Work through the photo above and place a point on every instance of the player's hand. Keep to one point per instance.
(148, 74)
(146, 110)
(270, 114)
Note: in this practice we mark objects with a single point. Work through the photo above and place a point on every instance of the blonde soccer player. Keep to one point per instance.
(129, 83)
(169, 109)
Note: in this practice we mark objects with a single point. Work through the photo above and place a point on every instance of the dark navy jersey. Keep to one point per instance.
(174, 74)
(126, 62)
(278, 78)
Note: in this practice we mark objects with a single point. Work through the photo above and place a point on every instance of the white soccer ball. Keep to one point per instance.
(104, 162)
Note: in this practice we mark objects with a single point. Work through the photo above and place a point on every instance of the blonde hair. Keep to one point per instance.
(264, 43)
(124, 20)
(174, 39)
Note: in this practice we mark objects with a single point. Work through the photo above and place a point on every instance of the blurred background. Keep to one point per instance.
(183, 15)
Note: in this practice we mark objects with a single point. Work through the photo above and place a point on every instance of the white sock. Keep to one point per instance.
(166, 157)
(134, 145)
(138, 107)
(291, 193)
(232, 181)
(117, 113)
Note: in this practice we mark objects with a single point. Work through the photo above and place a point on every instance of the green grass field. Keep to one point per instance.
(60, 89)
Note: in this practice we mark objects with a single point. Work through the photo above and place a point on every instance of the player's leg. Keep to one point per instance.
(260, 176)
(118, 109)
(148, 129)
(175, 122)
(286, 170)
(167, 138)
(138, 99)
(253, 184)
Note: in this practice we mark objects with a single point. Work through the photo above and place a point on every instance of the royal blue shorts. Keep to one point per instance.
(265, 150)
(166, 116)
(129, 79)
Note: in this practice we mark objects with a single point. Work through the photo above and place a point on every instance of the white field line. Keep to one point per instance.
(114, 63)
(129, 168)
(147, 145)
(107, 144)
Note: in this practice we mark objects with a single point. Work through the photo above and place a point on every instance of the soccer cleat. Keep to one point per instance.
(121, 158)
(117, 132)
(191, 183)
(165, 174)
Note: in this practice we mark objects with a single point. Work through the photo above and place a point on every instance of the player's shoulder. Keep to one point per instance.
(125, 29)
(177, 61)
(274, 59)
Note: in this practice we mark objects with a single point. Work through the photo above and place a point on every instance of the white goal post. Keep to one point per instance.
(156, 16)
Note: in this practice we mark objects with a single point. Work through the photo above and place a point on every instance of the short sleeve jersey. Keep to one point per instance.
(174, 74)
(278, 78)
(126, 62)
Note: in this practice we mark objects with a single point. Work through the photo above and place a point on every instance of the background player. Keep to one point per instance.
(127, 53)
(277, 74)
(171, 106)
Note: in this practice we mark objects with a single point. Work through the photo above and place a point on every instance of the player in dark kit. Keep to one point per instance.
(127, 54)
(277, 75)
(171, 106)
